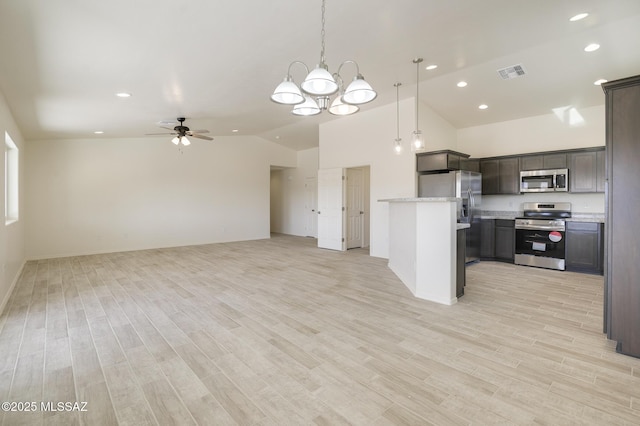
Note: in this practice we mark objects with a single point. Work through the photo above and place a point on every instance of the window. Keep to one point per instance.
(10, 180)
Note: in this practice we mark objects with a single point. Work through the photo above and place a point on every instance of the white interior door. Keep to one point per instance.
(331, 209)
(355, 208)
(311, 207)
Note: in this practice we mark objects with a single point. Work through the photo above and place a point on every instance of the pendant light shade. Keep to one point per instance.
(176, 140)
(287, 93)
(359, 92)
(321, 84)
(417, 141)
(308, 107)
(340, 108)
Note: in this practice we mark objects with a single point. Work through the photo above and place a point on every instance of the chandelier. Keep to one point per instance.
(314, 94)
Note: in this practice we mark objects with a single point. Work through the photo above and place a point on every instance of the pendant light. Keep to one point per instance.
(397, 143)
(417, 141)
(314, 94)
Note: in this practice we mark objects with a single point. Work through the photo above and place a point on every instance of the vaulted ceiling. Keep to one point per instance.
(217, 62)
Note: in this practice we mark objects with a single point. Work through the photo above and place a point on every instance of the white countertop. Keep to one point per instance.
(419, 200)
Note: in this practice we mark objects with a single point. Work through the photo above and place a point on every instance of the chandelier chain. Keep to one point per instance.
(322, 35)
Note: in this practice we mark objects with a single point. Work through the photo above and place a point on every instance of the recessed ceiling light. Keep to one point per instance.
(578, 17)
(599, 81)
(592, 47)
(431, 67)
(123, 95)
(462, 84)
(277, 137)
(235, 130)
(483, 106)
(98, 132)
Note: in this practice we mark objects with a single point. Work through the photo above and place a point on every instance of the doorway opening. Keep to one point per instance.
(357, 207)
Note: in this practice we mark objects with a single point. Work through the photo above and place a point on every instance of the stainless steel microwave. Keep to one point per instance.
(544, 180)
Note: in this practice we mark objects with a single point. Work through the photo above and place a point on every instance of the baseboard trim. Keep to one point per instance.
(7, 296)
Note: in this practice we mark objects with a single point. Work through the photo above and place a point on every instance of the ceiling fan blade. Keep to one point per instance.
(168, 128)
(207, 138)
(198, 131)
(158, 134)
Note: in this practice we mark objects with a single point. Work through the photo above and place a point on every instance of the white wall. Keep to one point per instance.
(366, 139)
(534, 134)
(12, 251)
(549, 132)
(95, 196)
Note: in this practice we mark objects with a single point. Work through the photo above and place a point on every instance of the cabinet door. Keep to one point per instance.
(490, 176)
(461, 243)
(487, 239)
(555, 161)
(505, 239)
(600, 171)
(583, 247)
(509, 176)
(582, 172)
(431, 162)
(470, 165)
(531, 162)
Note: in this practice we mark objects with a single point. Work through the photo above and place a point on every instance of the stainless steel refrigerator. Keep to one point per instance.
(464, 185)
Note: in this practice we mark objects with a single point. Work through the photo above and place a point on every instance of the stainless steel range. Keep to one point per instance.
(540, 235)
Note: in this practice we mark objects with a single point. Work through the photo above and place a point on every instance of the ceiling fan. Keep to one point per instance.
(181, 132)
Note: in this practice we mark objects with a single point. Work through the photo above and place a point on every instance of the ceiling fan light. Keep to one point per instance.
(340, 108)
(308, 107)
(287, 93)
(359, 92)
(185, 141)
(176, 140)
(320, 82)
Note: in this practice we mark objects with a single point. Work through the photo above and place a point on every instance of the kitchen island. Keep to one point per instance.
(422, 245)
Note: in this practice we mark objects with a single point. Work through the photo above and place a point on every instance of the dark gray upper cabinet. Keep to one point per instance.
(500, 176)
(490, 170)
(622, 269)
(543, 161)
(586, 171)
(601, 175)
(439, 160)
(532, 162)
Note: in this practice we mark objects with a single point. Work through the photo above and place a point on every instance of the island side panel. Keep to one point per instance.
(436, 252)
(402, 242)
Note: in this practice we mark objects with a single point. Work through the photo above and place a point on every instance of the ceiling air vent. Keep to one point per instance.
(511, 72)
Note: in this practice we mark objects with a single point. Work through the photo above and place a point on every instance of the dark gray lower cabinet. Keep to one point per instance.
(584, 247)
(497, 239)
(505, 239)
(461, 246)
(487, 239)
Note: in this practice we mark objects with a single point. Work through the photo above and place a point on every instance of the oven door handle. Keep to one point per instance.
(541, 227)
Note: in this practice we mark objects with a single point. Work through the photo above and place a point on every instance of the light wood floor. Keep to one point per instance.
(278, 332)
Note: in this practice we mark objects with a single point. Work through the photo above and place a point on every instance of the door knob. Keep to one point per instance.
(361, 212)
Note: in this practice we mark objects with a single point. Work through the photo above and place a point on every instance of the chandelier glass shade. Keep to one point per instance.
(314, 94)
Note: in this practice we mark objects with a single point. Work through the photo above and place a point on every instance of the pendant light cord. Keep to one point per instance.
(397, 111)
(417, 61)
